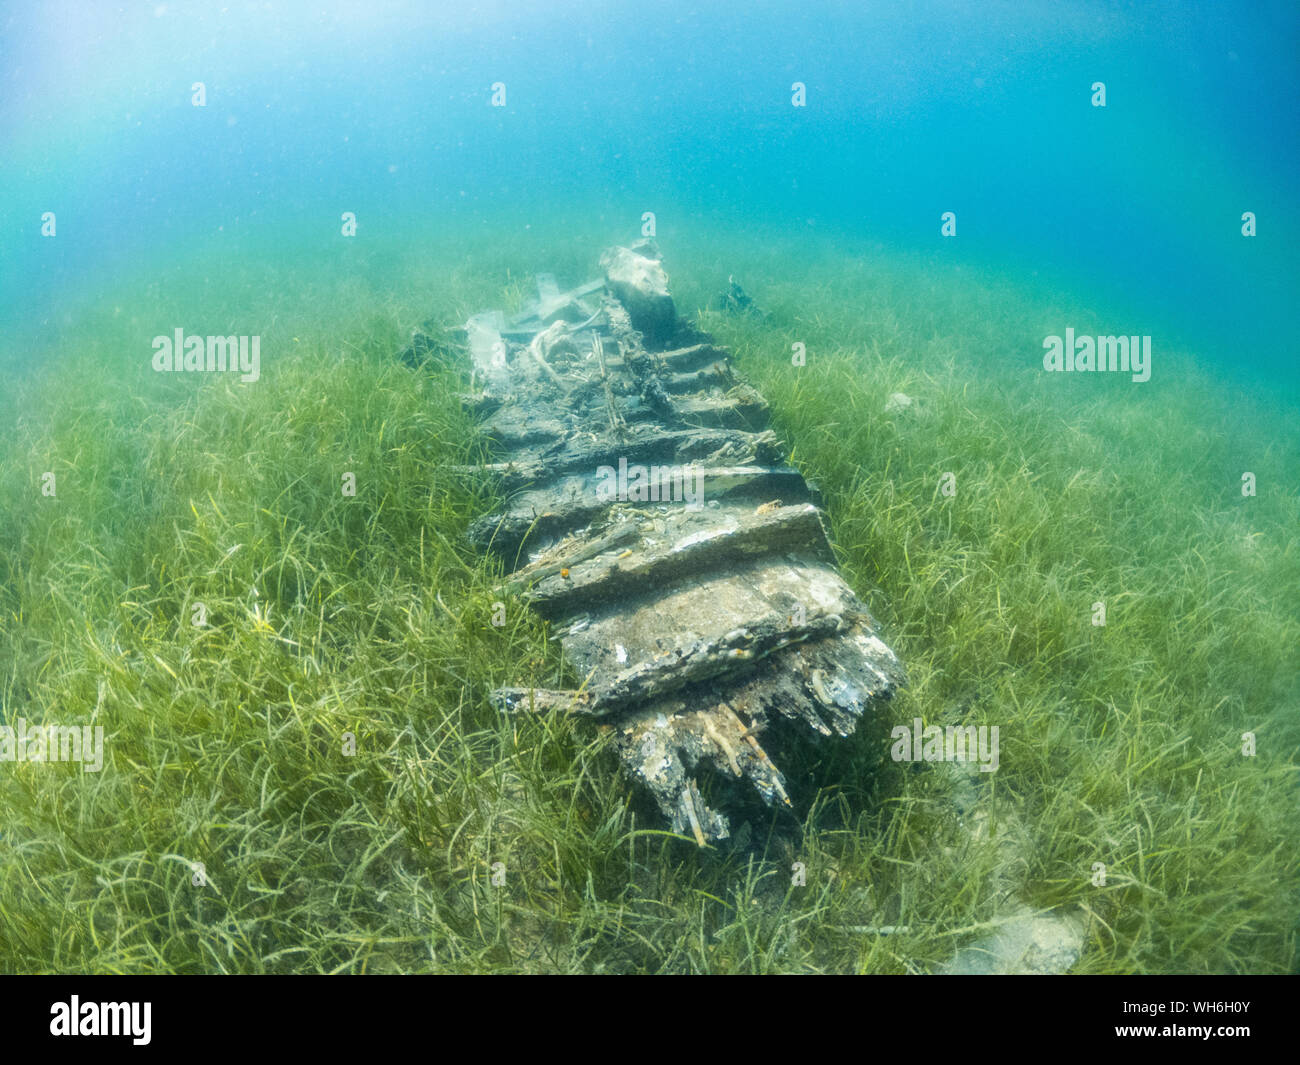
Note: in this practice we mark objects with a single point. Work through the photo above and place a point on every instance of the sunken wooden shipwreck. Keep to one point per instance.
(653, 520)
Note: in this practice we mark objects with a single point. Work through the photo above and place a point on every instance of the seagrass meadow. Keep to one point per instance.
(312, 779)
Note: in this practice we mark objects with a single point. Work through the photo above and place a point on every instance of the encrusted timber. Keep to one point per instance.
(571, 502)
(681, 708)
(553, 305)
(691, 358)
(824, 685)
(515, 427)
(689, 626)
(738, 650)
(647, 444)
(615, 572)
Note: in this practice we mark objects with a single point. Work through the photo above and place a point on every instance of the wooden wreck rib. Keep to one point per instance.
(700, 622)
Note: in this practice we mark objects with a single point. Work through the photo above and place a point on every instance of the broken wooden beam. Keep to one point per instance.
(629, 563)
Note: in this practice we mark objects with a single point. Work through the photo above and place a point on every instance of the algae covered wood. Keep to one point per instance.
(651, 518)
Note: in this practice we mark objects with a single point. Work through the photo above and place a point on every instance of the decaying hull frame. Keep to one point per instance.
(684, 567)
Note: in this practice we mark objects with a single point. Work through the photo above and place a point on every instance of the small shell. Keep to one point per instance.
(818, 680)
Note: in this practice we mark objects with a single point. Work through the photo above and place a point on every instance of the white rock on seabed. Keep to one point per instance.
(1019, 941)
(1025, 944)
(898, 401)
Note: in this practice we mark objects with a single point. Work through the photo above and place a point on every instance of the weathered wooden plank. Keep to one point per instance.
(819, 684)
(552, 305)
(665, 744)
(718, 541)
(736, 652)
(741, 408)
(670, 622)
(715, 375)
(687, 359)
(577, 451)
(565, 504)
(547, 289)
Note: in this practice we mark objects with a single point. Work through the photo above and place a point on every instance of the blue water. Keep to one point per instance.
(912, 109)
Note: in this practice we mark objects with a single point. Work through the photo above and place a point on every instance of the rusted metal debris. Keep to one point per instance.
(651, 519)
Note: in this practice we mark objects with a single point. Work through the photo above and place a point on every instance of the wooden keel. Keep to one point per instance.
(703, 607)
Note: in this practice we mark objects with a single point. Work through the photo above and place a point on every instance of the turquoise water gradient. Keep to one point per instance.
(912, 109)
